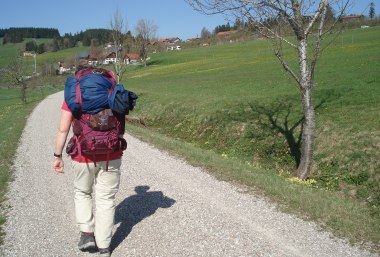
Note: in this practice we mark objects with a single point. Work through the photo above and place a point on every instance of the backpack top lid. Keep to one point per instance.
(95, 86)
(94, 92)
(85, 70)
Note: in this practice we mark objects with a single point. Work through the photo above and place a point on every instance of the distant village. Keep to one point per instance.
(111, 54)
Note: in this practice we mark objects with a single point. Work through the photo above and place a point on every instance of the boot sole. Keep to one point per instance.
(90, 246)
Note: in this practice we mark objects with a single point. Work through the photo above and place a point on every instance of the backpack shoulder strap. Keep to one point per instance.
(78, 96)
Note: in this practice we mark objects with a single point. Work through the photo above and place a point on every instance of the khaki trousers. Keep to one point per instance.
(105, 184)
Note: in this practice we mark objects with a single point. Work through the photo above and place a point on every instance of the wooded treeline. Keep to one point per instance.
(16, 35)
(90, 37)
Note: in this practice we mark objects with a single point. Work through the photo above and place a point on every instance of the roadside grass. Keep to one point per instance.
(13, 117)
(236, 101)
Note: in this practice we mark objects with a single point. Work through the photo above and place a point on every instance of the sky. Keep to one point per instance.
(174, 18)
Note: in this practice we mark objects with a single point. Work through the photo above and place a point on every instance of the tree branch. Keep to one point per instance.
(286, 66)
(275, 35)
(322, 8)
(318, 43)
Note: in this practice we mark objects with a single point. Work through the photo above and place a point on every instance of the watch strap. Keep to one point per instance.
(58, 155)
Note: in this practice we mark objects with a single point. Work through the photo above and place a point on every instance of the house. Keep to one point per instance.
(205, 44)
(27, 54)
(108, 45)
(172, 48)
(83, 62)
(351, 18)
(170, 40)
(63, 68)
(131, 58)
(93, 60)
(110, 57)
(153, 43)
(83, 56)
(193, 39)
(226, 33)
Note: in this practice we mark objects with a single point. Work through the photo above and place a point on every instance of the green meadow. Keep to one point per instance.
(235, 101)
(233, 110)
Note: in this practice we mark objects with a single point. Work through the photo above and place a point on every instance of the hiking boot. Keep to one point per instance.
(104, 252)
(87, 242)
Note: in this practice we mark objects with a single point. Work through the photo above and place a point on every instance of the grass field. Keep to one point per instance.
(9, 51)
(214, 107)
(222, 99)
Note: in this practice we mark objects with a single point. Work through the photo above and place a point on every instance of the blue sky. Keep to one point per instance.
(174, 18)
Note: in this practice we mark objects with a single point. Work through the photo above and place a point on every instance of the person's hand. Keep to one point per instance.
(58, 165)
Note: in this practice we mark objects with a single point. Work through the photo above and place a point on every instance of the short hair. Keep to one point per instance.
(81, 67)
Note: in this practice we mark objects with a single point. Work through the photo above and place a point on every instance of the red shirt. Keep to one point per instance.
(93, 158)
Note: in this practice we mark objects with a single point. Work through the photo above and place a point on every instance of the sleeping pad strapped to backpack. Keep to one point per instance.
(99, 108)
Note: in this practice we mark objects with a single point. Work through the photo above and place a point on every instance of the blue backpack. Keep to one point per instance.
(98, 106)
(93, 90)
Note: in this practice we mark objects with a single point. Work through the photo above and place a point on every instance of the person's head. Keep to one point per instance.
(141, 189)
(81, 67)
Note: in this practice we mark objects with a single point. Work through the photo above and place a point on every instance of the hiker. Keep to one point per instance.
(92, 166)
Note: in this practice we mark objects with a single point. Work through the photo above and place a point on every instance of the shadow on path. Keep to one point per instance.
(134, 209)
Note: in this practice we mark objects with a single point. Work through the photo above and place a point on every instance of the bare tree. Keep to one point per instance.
(145, 31)
(118, 27)
(277, 20)
(72, 61)
(96, 53)
(205, 33)
(15, 74)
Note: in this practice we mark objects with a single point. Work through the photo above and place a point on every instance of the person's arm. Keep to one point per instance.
(63, 131)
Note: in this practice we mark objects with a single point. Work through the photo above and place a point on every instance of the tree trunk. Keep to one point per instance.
(23, 93)
(307, 135)
(306, 85)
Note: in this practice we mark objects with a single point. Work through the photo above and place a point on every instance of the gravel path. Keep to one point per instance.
(165, 207)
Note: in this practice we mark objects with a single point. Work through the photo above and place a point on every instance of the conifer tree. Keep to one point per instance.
(372, 10)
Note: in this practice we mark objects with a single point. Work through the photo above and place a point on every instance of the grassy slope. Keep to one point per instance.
(349, 80)
(8, 51)
(221, 99)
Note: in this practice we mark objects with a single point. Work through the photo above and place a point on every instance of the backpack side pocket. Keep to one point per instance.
(71, 148)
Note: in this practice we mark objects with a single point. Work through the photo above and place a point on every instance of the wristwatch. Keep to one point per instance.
(58, 155)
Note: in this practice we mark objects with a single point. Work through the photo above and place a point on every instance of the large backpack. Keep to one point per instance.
(96, 127)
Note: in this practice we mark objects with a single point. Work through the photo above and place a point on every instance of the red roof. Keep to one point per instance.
(351, 17)
(132, 56)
